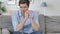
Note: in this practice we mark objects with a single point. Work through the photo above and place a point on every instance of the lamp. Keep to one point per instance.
(44, 4)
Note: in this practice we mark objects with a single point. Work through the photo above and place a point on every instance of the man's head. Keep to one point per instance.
(24, 5)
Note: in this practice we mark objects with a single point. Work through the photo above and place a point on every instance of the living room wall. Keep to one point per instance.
(36, 6)
(52, 9)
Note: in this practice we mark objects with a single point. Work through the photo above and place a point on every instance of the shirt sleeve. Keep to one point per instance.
(14, 21)
(35, 17)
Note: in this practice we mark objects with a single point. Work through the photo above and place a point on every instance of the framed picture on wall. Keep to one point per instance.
(11, 1)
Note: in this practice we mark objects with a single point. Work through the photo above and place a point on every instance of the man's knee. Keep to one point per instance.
(37, 32)
(5, 31)
(17, 32)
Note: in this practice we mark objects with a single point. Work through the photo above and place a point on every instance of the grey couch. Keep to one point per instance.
(48, 25)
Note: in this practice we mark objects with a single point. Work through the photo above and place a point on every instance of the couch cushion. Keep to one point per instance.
(53, 24)
(41, 22)
(5, 31)
(7, 23)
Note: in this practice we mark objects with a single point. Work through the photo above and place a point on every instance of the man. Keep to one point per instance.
(25, 21)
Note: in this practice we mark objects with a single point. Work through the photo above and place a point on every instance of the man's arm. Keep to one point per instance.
(14, 21)
(34, 22)
(20, 26)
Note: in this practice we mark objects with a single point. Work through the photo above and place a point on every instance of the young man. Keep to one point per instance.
(25, 21)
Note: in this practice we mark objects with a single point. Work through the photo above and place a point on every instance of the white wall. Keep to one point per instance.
(53, 8)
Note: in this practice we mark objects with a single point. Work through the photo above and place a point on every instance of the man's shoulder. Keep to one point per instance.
(15, 12)
(33, 12)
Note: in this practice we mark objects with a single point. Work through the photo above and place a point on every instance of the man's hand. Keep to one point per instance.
(30, 15)
(26, 15)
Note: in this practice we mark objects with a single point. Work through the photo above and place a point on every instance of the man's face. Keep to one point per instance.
(23, 7)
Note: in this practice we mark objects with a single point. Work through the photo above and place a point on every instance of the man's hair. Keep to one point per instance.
(24, 1)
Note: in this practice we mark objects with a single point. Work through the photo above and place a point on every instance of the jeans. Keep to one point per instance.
(37, 32)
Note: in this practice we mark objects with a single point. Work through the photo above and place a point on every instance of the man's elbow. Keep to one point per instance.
(37, 29)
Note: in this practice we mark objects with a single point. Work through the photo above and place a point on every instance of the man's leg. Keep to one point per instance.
(37, 32)
(17, 32)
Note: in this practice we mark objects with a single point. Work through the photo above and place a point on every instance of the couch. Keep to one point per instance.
(52, 24)
(48, 25)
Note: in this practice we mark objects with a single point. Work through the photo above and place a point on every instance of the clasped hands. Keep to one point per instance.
(28, 15)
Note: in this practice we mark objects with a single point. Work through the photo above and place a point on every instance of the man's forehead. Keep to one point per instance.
(23, 4)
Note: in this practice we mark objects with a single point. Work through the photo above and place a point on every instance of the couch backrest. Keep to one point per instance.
(53, 24)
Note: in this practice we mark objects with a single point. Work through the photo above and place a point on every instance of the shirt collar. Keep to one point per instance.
(19, 13)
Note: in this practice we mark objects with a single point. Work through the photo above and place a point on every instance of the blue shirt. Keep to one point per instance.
(17, 18)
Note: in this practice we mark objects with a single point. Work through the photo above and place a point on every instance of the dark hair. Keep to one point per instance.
(24, 1)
